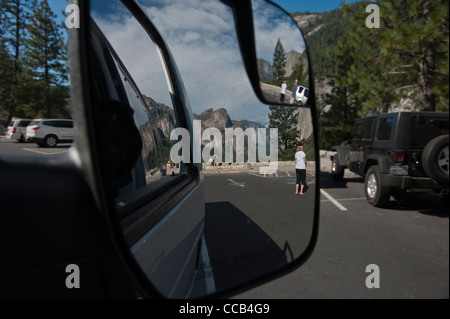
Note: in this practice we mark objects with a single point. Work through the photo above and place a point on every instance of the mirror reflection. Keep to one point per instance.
(240, 217)
(283, 68)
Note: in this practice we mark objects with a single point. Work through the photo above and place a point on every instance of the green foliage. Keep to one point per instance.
(285, 119)
(279, 64)
(37, 85)
(300, 74)
(407, 57)
(6, 78)
(322, 35)
(339, 120)
(46, 52)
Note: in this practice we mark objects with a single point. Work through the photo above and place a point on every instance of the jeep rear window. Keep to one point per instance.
(425, 128)
(385, 128)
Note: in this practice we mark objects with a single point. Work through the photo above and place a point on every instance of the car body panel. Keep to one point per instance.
(168, 252)
(161, 217)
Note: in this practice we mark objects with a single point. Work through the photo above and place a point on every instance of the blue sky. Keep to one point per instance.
(289, 5)
(312, 6)
(57, 7)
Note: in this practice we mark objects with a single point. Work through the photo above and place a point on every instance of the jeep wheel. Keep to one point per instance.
(376, 194)
(435, 159)
(337, 171)
(50, 141)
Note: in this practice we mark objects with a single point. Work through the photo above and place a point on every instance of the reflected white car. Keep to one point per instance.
(301, 95)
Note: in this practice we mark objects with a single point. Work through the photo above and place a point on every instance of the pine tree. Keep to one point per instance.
(44, 59)
(14, 17)
(299, 73)
(6, 79)
(338, 121)
(279, 64)
(407, 57)
(285, 119)
(6, 68)
(345, 105)
(417, 32)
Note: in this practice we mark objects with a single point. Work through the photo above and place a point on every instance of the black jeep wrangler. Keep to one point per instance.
(396, 152)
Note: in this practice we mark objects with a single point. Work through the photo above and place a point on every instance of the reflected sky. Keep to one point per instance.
(201, 36)
(272, 24)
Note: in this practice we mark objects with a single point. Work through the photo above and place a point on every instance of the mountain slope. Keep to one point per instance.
(322, 32)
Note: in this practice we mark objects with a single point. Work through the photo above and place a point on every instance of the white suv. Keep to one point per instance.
(50, 132)
(301, 96)
(16, 129)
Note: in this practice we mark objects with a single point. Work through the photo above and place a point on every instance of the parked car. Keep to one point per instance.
(396, 152)
(17, 129)
(50, 132)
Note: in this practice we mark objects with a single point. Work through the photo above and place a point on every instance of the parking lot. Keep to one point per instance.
(408, 240)
(13, 147)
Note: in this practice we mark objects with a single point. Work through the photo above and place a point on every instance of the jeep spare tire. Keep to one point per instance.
(435, 159)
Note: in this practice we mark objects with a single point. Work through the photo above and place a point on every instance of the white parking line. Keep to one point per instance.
(43, 153)
(350, 199)
(335, 202)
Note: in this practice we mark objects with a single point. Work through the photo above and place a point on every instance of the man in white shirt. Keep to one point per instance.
(300, 170)
(283, 91)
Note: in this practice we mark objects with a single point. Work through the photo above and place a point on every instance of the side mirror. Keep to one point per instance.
(276, 56)
(233, 219)
(282, 58)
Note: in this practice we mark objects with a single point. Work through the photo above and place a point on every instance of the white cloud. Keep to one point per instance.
(201, 36)
(272, 24)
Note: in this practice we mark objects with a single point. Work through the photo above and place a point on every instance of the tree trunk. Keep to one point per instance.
(427, 98)
(426, 69)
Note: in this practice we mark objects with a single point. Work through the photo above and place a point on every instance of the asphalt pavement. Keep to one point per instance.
(255, 224)
(408, 241)
(15, 148)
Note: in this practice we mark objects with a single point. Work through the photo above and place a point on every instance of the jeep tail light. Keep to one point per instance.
(36, 128)
(13, 130)
(399, 156)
